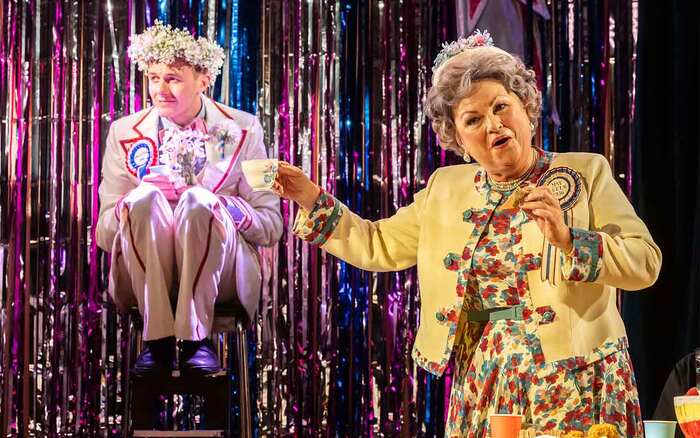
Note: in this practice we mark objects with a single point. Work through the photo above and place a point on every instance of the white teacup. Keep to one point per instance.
(161, 169)
(260, 174)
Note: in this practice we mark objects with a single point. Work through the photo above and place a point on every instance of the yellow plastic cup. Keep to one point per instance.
(688, 414)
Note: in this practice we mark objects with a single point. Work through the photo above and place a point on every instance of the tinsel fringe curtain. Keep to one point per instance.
(338, 87)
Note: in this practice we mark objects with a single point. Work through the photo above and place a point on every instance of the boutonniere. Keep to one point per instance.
(222, 140)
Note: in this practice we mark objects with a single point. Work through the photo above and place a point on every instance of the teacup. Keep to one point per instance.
(260, 174)
(160, 169)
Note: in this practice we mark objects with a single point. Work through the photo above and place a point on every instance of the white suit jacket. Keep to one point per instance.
(132, 141)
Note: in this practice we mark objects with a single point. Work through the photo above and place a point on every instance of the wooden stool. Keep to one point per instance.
(216, 390)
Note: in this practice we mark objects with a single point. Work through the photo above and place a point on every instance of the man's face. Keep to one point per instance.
(175, 90)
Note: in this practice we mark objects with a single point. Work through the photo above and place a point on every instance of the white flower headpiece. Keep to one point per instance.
(162, 44)
(476, 39)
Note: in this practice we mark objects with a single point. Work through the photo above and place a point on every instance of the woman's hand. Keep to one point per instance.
(291, 183)
(541, 205)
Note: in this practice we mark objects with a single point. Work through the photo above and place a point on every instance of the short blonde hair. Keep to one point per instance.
(454, 80)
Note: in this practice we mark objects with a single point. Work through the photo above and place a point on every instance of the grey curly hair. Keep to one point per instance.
(454, 80)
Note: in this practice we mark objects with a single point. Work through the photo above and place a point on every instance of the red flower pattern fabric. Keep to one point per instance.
(504, 373)
(504, 369)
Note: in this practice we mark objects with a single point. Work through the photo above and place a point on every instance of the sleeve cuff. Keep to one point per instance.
(586, 259)
(317, 225)
(239, 211)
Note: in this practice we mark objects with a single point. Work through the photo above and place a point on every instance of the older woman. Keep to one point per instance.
(519, 256)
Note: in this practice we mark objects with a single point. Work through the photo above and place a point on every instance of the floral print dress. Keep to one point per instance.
(506, 371)
(503, 374)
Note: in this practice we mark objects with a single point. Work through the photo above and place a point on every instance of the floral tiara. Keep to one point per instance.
(476, 39)
(161, 43)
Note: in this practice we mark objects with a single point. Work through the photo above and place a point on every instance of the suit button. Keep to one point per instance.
(451, 261)
(548, 316)
(467, 215)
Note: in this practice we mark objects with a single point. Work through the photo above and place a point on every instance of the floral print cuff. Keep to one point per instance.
(317, 225)
(586, 259)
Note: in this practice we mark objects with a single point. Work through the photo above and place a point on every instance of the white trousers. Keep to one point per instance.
(183, 253)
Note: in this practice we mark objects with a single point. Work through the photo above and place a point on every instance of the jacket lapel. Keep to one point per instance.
(140, 145)
(474, 208)
(222, 157)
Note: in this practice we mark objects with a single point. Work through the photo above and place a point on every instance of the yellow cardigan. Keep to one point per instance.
(434, 226)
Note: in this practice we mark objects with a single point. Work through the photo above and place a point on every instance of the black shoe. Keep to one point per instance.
(198, 357)
(157, 357)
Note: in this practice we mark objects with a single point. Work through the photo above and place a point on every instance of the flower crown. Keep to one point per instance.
(162, 44)
(476, 39)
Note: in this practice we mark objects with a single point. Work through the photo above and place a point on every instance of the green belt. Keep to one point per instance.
(496, 314)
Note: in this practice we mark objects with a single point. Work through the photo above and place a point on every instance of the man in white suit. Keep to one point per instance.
(173, 240)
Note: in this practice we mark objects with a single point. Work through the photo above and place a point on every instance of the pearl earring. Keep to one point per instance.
(465, 155)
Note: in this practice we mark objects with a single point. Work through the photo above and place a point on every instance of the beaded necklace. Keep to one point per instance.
(507, 186)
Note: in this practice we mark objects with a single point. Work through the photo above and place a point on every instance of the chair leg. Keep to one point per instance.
(244, 389)
(131, 351)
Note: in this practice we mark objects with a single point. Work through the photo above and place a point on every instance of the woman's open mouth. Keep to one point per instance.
(500, 141)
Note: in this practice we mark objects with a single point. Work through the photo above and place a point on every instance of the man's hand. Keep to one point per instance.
(171, 192)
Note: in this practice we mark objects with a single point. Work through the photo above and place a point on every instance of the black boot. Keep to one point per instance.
(198, 357)
(157, 357)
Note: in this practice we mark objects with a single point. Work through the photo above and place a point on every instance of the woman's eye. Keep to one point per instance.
(499, 107)
(472, 121)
